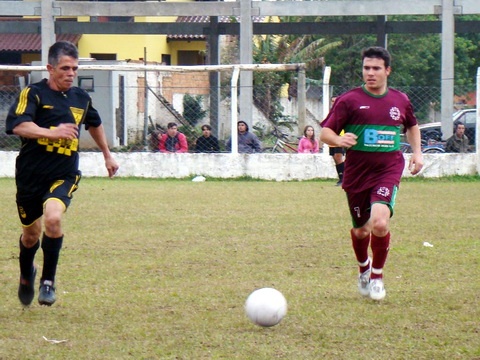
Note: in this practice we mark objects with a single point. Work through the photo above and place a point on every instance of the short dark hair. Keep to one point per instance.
(456, 123)
(206, 126)
(61, 48)
(377, 52)
(242, 122)
(171, 125)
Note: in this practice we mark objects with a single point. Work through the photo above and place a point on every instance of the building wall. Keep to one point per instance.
(125, 47)
(134, 46)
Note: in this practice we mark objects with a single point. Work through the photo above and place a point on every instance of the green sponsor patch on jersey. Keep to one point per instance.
(375, 138)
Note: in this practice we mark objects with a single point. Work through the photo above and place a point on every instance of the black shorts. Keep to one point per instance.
(336, 150)
(30, 206)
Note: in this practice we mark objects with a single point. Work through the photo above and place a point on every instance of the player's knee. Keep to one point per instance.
(361, 233)
(31, 234)
(380, 227)
(52, 223)
(30, 238)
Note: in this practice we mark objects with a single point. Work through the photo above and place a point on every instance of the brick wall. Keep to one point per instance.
(193, 83)
(9, 78)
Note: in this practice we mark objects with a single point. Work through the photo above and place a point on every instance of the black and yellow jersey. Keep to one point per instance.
(44, 159)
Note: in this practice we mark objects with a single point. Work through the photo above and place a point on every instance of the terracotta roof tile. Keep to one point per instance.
(206, 19)
(30, 42)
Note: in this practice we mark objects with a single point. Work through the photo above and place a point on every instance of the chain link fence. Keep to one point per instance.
(135, 112)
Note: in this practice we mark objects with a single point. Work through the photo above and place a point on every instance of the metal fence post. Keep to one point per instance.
(302, 99)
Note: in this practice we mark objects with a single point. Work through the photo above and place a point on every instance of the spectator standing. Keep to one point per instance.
(207, 143)
(248, 142)
(308, 144)
(372, 116)
(47, 116)
(458, 142)
(173, 141)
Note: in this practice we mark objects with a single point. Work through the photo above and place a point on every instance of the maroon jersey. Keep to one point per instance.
(377, 121)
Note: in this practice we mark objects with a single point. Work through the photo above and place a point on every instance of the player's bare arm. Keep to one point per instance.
(30, 130)
(416, 160)
(329, 137)
(98, 135)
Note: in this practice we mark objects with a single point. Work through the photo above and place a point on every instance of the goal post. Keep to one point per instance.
(477, 124)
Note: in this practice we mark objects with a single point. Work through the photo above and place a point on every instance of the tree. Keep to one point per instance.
(285, 49)
(192, 109)
(416, 62)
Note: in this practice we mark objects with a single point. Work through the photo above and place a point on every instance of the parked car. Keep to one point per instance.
(432, 132)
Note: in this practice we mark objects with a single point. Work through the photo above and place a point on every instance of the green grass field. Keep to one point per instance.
(160, 269)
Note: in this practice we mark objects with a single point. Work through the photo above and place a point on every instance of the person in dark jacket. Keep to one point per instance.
(458, 142)
(207, 143)
(247, 142)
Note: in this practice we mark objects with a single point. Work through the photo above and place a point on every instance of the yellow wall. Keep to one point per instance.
(125, 46)
(27, 58)
(175, 46)
(133, 46)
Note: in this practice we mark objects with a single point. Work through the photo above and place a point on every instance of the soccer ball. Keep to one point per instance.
(266, 307)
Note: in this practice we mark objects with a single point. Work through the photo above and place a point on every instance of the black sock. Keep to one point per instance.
(340, 168)
(51, 252)
(26, 258)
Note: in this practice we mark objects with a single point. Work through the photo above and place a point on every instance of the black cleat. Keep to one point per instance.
(47, 293)
(26, 289)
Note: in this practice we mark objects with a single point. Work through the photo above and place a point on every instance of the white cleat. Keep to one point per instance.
(377, 289)
(364, 283)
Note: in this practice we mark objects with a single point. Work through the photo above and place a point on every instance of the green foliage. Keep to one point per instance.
(192, 109)
(285, 49)
(416, 58)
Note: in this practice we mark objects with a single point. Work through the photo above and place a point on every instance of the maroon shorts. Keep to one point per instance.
(360, 204)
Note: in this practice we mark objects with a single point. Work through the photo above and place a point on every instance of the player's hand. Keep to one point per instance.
(415, 164)
(65, 131)
(112, 166)
(348, 140)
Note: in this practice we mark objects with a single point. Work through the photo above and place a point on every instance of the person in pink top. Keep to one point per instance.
(308, 144)
(173, 141)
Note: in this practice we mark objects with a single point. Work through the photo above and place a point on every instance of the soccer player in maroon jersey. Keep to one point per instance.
(372, 117)
(47, 116)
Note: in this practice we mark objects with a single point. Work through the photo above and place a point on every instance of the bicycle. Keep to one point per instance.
(430, 147)
(282, 143)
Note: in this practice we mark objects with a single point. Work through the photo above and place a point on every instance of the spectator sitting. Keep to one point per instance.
(308, 144)
(207, 143)
(173, 141)
(458, 142)
(247, 142)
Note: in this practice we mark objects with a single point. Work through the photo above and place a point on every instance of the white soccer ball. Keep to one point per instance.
(266, 307)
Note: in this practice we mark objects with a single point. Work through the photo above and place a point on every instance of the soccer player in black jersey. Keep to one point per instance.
(47, 116)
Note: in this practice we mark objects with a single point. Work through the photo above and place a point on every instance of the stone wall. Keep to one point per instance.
(277, 167)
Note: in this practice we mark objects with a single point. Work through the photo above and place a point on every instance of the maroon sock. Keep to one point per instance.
(380, 247)
(360, 247)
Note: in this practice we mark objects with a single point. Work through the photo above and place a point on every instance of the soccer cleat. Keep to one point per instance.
(377, 289)
(26, 289)
(364, 283)
(47, 293)
(339, 183)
